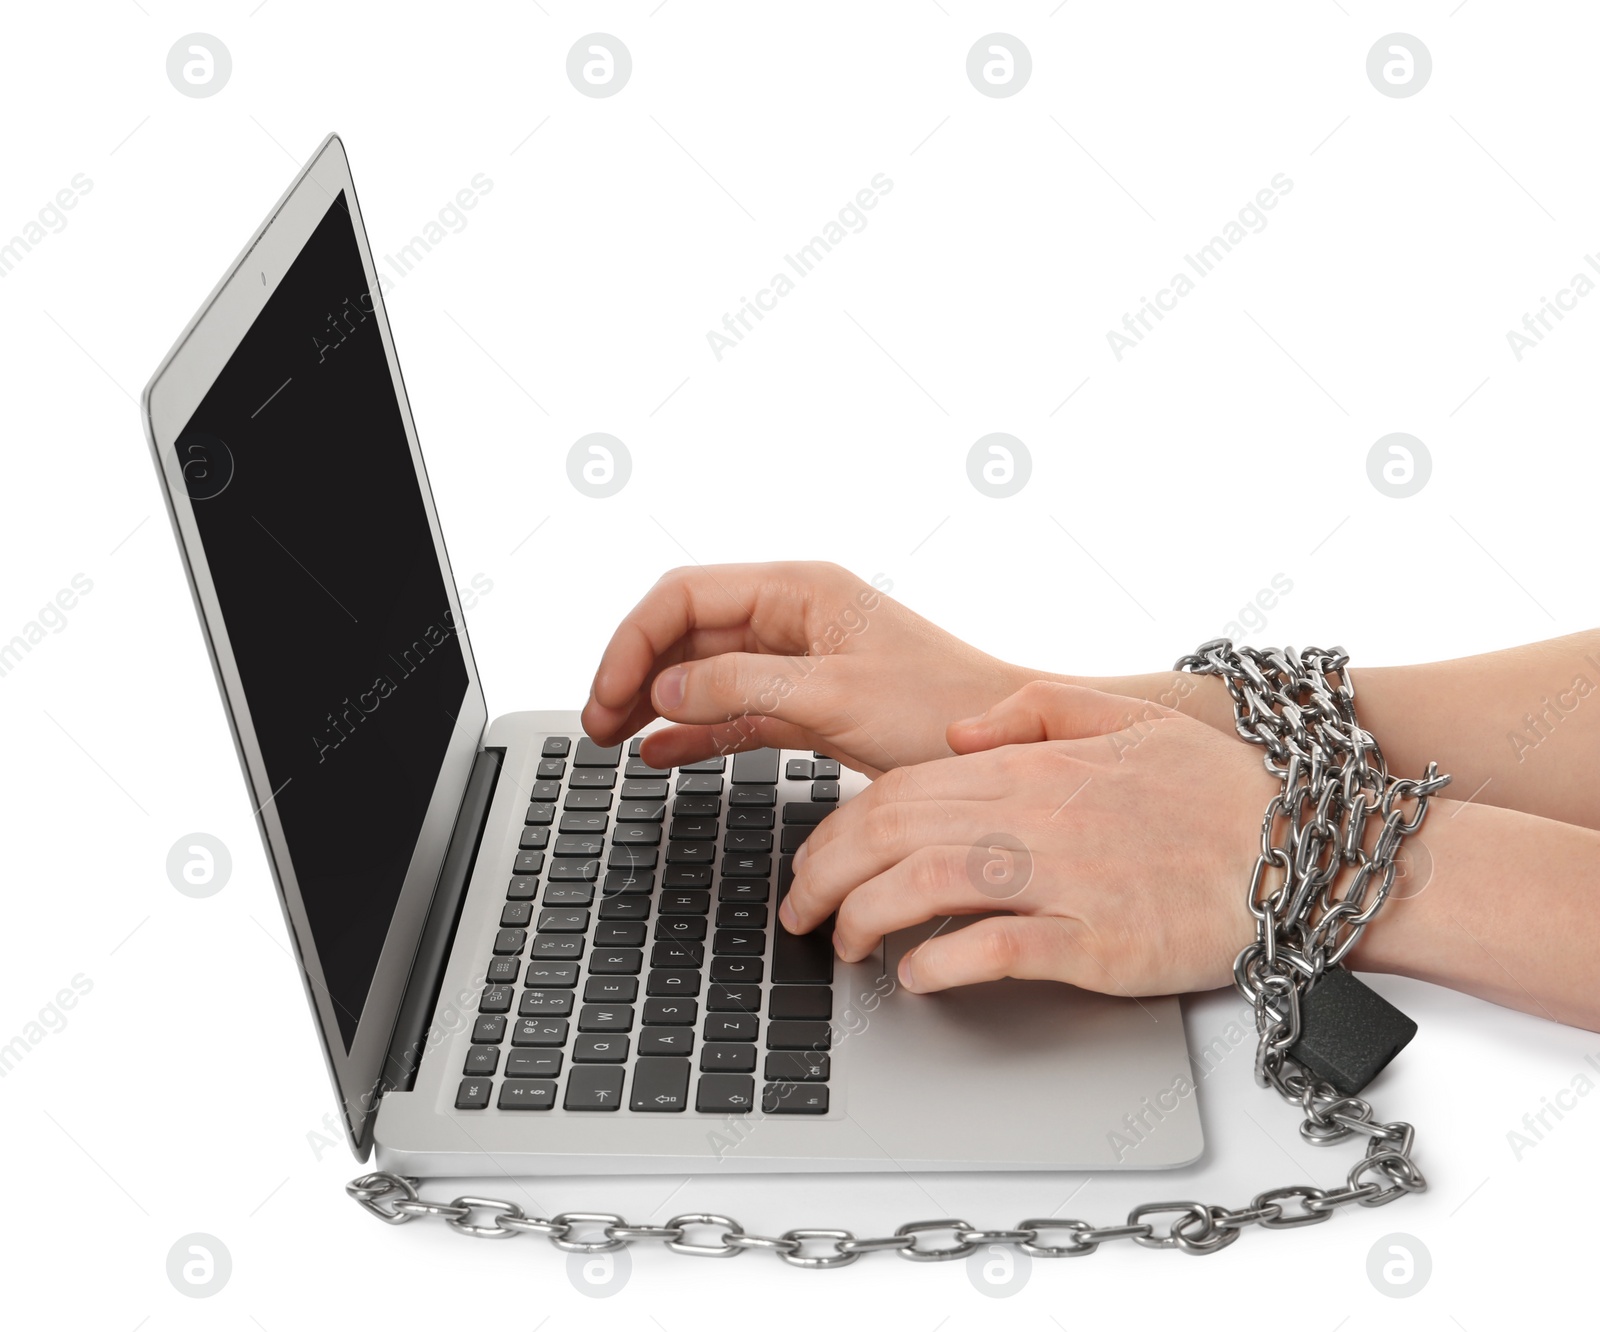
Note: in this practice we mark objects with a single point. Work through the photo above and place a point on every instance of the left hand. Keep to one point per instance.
(1134, 830)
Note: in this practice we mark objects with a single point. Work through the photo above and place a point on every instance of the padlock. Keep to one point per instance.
(1348, 1031)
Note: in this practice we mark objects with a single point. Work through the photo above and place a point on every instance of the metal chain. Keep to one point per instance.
(1300, 708)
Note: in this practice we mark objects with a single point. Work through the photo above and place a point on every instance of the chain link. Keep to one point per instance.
(1300, 708)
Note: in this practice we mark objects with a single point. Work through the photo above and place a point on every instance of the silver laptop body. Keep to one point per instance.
(653, 1017)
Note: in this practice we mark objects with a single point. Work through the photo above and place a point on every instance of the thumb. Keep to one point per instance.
(1046, 710)
(738, 684)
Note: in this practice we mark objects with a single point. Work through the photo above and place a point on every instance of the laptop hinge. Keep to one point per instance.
(433, 949)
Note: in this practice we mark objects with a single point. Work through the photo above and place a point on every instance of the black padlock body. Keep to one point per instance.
(1348, 1032)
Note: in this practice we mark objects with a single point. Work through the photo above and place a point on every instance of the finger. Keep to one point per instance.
(764, 605)
(674, 746)
(928, 883)
(1024, 947)
(1047, 710)
(872, 842)
(607, 722)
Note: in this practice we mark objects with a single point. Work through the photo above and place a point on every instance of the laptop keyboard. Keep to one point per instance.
(636, 966)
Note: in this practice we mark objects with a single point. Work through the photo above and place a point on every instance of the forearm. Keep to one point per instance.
(1510, 911)
(1519, 729)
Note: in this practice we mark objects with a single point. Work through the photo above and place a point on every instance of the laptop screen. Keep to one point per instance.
(309, 507)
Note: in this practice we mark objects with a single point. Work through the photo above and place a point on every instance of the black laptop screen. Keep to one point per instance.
(309, 508)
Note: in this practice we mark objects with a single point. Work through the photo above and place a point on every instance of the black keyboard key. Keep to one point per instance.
(529, 862)
(556, 948)
(671, 954)
(611, 989)
(797, 812)
(746, 865)
(545, 1003)
(803, 959)
(605, 1017)
(600, 1050)
(652, 789)
(533, 840)
(587, 800)
(510, 943)
(758, 767)
(825, 791)
(526, 1095)
(724, 1094)
(637, 834)
(800, 1001)
(489, 1030)
(633, 746)
(541, 1031)
(594, 1087)
(569, 894)
(641, 811)
(716, 763)
(660, 1085)
(750, 817)
(734, 999)
(593, 779)
(739, 943)
(799, 770)
(591, 755)
(797, 1035)
(545, 790)
(582, 821)
(680, 927)
(556, 920)
(473, 1094)
(699, 828)
(743, 890)
(639, 769)
(826, 770)
(794, 1098)
(628, 881)
(790, 839)
(666, 984)
(737, 842)
(632, 857)
(731, 1026)
(685, 902)
(503, 971)
(797, 1066)
(551, 768)
(657, 1041)
(482, 1060)
(671, 1012)
(539, 813)
(625, 908)
(742, 916)
(736, 970)
(694, 783)
(533, 1064)
(522, 888)
(574, 871)
(616, 961)
(516, 913)
(691, 853)
(697, 805)
(727, 1057)
(686, 876)
(554, 975)
(623, 934)
(580, 844)
(556, 746)
(751, 795)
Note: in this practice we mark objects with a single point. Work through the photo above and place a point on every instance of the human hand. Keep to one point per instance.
(1132, 830)
(794, 655)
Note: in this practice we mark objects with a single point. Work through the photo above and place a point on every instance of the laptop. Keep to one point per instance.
(519, 944)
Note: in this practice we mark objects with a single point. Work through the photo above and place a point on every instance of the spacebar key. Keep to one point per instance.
(803, 959)
(660, 1084)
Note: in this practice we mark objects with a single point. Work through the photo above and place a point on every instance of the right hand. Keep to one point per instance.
(792, 655)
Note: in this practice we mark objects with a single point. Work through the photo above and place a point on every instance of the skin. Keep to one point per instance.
(1137, 803)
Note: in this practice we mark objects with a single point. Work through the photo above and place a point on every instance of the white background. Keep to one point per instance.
(1230, 447)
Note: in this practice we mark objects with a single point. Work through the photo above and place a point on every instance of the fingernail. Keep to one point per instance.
(786, 914)
(906, 978)
(839, 947)
(669, 689)
(800, 857)
(971, 721)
